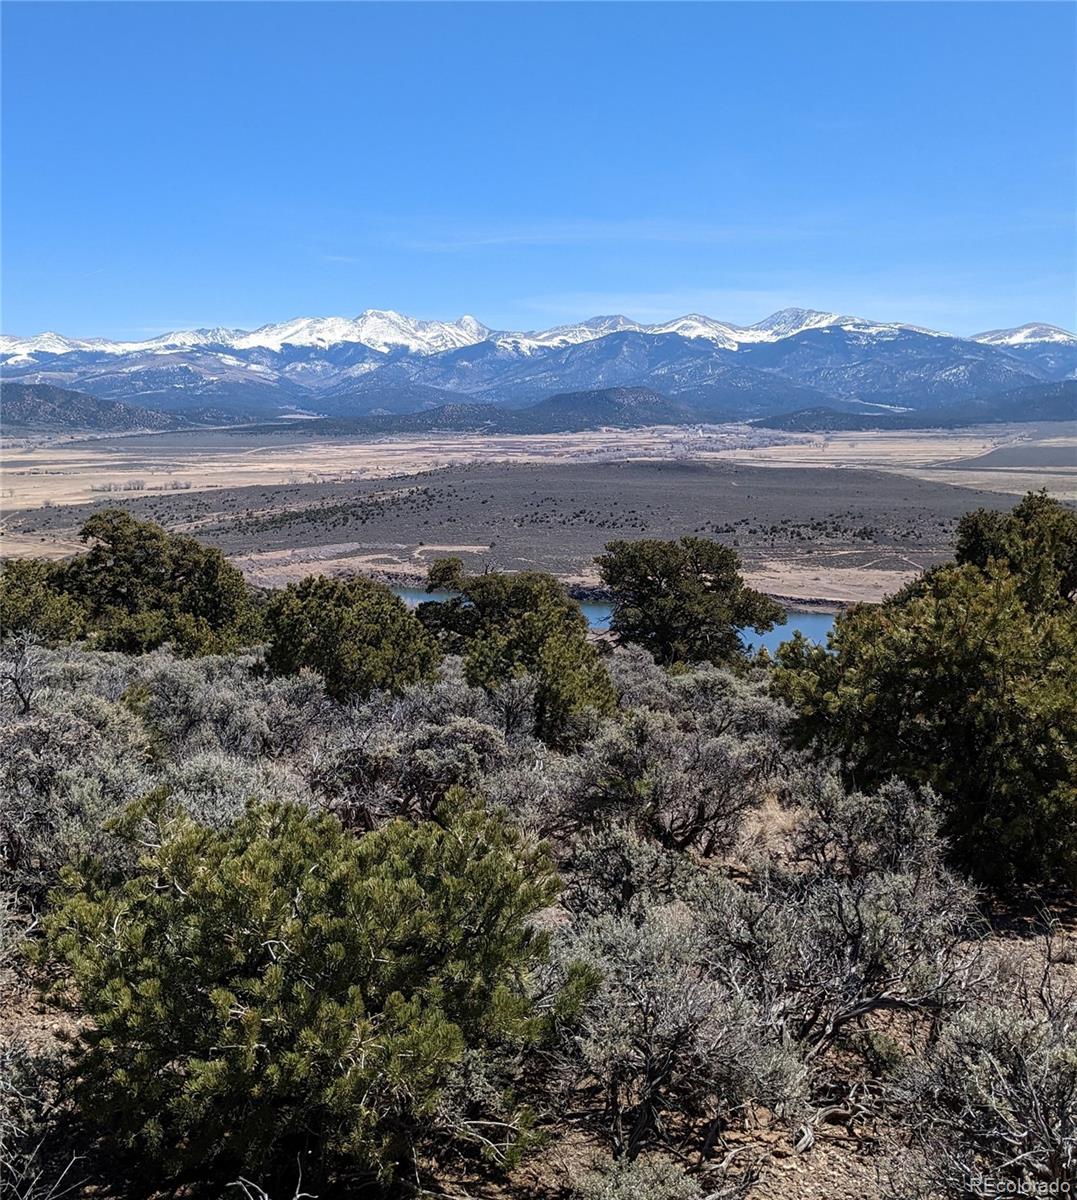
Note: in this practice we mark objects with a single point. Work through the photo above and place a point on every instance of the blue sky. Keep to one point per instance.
(176, 165)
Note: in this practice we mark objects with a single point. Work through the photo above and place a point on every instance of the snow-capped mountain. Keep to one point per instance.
(387, 331)
(1045, 348)
(779, 325)
(729, 337)
(386, 361)
(1026, 335)
(562, 335)
(788, 321)
(379, 330)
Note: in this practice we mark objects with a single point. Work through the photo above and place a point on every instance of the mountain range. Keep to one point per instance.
(631, 408)
(385, 363)
(37, 408)
(31, 407)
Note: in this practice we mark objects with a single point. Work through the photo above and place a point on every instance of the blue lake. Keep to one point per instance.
(814, 626)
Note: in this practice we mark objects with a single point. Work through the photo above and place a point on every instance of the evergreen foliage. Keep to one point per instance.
(965, 681)
(353, 632)
(1037, 542)
(507, 626)
(282, 988)
(683, 600)
(764, 925)
(136, 588)
(33, 601)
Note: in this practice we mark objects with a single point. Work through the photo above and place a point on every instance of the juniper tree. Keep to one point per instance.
(353, 632)
(683, 600)
(142, 586)
(959, 685)
(510, 625)
(33, 601)
(1037, 541)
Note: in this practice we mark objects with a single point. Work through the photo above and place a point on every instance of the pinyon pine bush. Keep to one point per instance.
(281, 988)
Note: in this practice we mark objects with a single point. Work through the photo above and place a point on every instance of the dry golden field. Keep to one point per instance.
(287, 505)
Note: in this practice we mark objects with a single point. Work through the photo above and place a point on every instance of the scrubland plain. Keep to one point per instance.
(816, 517)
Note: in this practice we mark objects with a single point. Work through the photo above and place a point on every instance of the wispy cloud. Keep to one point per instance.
(439, 236)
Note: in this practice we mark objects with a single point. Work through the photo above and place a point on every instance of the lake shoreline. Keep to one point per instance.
(816, 626)
(587, 593)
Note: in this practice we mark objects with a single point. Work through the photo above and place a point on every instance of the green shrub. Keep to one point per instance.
(355, 633)
(136, 588)
(959, 685)
(280, 988)
(32, 600)
(143, 586)
(510, 625)
(683, 600)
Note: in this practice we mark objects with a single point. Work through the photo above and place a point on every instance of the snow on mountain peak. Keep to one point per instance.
(302, 331)
(1025, 335)
(788, 321)
(44, 343)
(609, 324)
(472, 327)
(695, 325)
(179, 338)
(387, 332)
(564, 335)
(379, 329)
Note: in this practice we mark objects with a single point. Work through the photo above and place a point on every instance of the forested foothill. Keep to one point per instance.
(308, 893)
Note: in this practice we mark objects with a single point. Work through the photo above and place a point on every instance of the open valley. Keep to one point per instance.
(833, 517)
